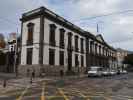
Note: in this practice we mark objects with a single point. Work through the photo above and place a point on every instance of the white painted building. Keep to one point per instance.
(121, 54)
(51, 43)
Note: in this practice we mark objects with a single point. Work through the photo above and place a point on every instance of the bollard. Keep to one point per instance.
(4, 83)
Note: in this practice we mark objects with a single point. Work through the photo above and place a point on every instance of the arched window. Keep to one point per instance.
(30, 27)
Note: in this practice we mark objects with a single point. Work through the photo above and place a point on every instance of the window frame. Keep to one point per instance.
(52, 33)
(62, 36)
(61, 58)
(51, 56)
(29, 56)
(30, 33)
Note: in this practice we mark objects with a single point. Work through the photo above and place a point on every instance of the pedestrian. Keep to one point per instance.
(28, 72)
(4, 83)
(31, 80)
(61, 73)
(33, 74)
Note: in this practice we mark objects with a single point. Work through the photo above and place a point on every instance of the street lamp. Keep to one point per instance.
(15, 55)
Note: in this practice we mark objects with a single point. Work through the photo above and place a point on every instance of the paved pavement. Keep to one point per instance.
(118, 87)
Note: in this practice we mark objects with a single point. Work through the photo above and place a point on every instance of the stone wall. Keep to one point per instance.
(47, 70)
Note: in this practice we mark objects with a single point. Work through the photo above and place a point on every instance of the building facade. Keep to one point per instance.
(8, 54)
(121, 54)
(50, 44)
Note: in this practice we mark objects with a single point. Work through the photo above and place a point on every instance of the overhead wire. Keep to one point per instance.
(104, 15)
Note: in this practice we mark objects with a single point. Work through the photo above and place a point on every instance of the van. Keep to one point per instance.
(95, 71)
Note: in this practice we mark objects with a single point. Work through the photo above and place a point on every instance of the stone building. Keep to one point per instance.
(50, 43)
(7, 56)
(121, 54)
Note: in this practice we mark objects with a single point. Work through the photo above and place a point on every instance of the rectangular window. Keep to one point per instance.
(70, 41)
(29, 56)
(82, 60)
(76, 43)
(76, 60)
(30, 33)
(61, 57)
(51, 56)
(82, 45)
(52, 35)
(62, 32)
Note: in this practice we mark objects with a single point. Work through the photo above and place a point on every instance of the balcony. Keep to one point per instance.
(62, 45)
(76, 49)
(82, 50)
(70, 47)
(52, 43)
(29, 42)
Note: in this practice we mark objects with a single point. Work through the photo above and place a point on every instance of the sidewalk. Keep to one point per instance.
(17, 84)
(13, 82)
(7, 76)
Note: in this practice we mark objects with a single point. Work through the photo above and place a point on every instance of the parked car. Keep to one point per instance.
(95, 71)
(118, 71)
(113, 72)
(106, 72)
(123, 72)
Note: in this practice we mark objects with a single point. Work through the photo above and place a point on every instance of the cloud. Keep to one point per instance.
(116, 29)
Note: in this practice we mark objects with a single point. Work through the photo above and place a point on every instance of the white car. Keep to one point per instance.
(95, 71)
(123, 71)
(106, 73)
(113, 72)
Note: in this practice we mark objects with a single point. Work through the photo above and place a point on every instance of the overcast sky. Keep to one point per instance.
(117, 29)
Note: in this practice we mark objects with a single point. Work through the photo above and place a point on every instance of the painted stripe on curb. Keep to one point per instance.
(62, 93)
(43, 89)
(23, 93)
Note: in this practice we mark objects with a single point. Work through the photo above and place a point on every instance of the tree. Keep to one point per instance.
(2, 41)
(129, 60)
(2, 58)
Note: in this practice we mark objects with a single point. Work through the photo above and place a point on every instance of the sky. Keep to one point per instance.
(116, 29)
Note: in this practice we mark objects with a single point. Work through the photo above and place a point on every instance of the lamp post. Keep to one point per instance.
(15, 55)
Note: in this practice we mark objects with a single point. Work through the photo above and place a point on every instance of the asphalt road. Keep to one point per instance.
(118, 87)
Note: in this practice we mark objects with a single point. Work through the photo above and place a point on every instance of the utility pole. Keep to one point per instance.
(97, 28)
(15, 55)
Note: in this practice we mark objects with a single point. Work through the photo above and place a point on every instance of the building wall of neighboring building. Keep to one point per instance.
(121, 54)
(2, 41)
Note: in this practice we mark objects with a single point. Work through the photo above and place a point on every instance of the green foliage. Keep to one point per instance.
(128, 59)
(2, 58)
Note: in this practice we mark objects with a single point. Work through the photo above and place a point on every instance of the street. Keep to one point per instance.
(119, 87)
